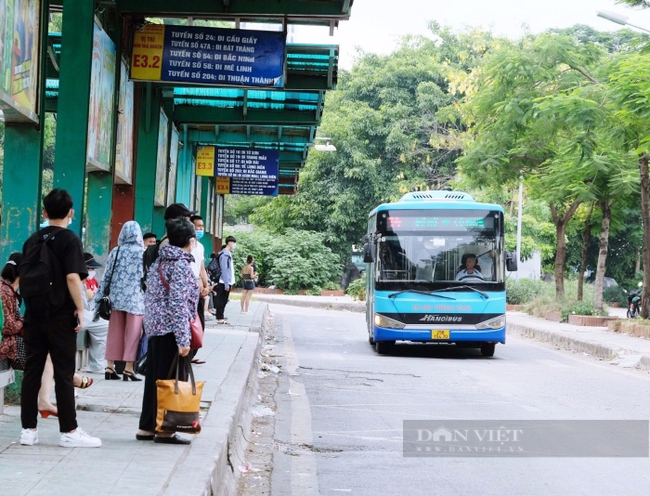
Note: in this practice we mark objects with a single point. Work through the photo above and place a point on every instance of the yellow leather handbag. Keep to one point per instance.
(179, 402)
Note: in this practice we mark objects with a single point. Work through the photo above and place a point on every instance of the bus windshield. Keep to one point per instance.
(437, 248)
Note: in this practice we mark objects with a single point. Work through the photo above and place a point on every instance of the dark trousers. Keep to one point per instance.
(160, 355)
(221, 301)
(59, 340)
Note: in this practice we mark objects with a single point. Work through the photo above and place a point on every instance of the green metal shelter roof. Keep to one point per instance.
(243, 117)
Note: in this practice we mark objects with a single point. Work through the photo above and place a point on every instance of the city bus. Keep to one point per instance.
(436, 270)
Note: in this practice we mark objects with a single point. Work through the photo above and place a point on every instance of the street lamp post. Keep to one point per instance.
(619, 19)
(519, 211)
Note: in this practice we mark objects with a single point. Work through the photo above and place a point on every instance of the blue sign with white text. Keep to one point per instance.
(215, 56)
(251, 171)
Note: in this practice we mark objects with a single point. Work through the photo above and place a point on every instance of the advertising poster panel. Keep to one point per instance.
(102, 102)
(124, 138)
(173, 165)
(19, 42)
(161, 162)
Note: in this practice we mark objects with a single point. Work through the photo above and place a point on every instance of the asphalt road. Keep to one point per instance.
(341, 407)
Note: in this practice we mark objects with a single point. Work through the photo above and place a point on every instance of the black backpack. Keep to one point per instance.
(42, 282)
(214, 269)
(148, 258)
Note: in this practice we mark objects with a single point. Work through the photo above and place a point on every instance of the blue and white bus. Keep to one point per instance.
(436, 272)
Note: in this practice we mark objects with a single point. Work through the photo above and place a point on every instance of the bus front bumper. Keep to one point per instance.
(433, 336)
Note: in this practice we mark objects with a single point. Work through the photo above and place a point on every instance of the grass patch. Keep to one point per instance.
(545, 302)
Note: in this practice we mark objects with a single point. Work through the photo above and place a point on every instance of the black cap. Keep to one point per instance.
(176, 210)
(90, 261)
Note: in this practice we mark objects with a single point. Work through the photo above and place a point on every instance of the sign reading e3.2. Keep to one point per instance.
(146, 60)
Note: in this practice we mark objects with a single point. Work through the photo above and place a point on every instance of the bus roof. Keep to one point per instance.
(432, 200)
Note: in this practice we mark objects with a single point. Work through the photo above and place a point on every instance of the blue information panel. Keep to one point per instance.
(251, 171)
(223, 56)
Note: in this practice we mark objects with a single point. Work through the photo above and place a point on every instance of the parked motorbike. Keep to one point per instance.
(634, 303)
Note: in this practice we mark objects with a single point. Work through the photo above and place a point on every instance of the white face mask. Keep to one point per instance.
(69, 221)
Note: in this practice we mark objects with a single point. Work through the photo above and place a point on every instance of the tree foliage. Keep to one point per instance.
(294, 260)
(384, 121)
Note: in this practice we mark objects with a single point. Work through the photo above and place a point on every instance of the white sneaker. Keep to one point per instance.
(79, 439)
(29, 437)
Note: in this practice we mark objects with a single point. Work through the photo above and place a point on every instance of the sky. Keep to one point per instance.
(375, 25)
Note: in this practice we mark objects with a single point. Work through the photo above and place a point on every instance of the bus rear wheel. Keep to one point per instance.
(384, 347)
(487, 349)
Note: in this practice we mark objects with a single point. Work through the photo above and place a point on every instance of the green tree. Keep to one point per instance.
(630, 91)
(384, 122)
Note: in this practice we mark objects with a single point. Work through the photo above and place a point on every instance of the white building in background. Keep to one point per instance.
(531, 268)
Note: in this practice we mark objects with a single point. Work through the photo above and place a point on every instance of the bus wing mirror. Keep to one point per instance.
(368, 254)
(511, 261)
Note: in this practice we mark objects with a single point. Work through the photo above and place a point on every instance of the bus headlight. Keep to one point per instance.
(383, 321)
(494, 323)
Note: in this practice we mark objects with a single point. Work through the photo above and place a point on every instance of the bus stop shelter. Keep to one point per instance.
(158, 102)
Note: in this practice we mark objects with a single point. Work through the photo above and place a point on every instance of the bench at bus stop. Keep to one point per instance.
(6, 378)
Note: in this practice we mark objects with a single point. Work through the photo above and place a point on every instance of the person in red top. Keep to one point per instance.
(90, 281)
(12, 345)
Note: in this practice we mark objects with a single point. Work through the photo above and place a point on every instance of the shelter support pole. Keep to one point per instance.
(21, 186)
(22, 172)
(146, 157)
(73, 104)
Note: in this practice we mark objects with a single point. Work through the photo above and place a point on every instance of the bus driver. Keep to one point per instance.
(470, 270)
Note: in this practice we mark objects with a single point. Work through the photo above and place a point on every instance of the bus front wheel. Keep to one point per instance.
(384, 347)
(487, 349)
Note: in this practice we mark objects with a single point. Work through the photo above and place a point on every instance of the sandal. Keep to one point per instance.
(198, 361)
(222, 321)
(86, 382)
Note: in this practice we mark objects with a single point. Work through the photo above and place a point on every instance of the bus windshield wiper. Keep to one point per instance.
(394, 295)
(456, 288)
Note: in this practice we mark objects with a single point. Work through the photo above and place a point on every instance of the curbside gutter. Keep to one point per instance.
(211, 468)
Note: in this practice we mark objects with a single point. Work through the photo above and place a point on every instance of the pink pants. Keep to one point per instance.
(124, 331)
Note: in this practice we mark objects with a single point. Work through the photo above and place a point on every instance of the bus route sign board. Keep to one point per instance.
(211, 56)
(251, 171)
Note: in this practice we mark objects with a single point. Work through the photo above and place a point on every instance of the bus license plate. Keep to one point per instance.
(439, 334)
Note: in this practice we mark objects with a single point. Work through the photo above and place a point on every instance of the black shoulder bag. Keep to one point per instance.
(104, 307)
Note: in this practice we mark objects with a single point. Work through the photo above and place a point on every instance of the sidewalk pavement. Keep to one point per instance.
(619, 349)
(110, 410)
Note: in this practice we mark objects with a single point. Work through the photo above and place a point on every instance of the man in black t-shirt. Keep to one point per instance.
(55, 331)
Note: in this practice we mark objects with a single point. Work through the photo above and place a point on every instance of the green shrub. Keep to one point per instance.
(357, 288)
(292, 261)
(519, 292)
(615, 294)
(578, 308)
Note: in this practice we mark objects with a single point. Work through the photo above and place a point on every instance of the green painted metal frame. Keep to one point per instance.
(74, 100)
(314, 12)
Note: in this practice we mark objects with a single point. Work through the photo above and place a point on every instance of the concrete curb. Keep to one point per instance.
(583, 346)
(210, 468)
(351, 307)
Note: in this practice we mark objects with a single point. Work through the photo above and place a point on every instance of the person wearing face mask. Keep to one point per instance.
(227, 278)
(97, 329)
(198, 268)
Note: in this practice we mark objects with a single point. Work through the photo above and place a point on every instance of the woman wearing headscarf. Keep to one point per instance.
(170, 302)
(124, 271)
